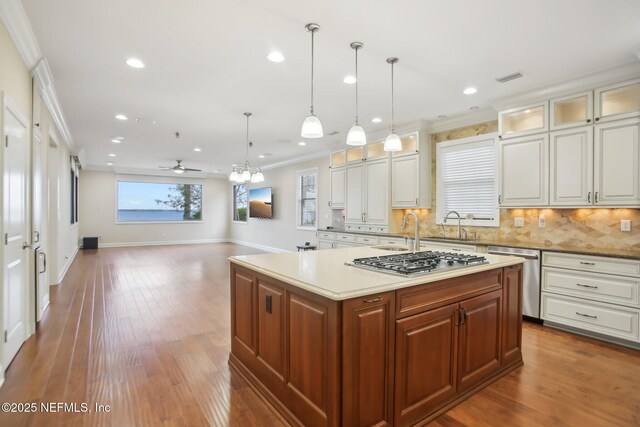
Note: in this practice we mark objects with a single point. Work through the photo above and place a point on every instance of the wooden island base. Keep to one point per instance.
(397, 358)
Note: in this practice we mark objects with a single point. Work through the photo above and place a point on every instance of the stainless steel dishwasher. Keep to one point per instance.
(530, 278)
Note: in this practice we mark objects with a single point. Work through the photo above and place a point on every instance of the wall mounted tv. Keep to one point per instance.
(260, 203)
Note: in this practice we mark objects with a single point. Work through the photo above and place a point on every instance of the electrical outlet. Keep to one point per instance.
(518, 221)
(625, 225)
(541, 221)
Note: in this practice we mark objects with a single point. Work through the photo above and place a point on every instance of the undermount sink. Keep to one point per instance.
(394, 248)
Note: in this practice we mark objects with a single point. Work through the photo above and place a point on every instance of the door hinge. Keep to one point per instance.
(6, 141)
(6, 238)
(5, 335)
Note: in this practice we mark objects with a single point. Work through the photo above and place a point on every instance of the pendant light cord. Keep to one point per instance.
(312, 54)
(356, 49)
(393, 120)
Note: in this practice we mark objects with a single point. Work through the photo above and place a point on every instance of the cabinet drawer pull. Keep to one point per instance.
(369, 301)
(463, 315)
(586, 286)
(268, 304)
(586, 315)
(596, 197)
(587, 263)
(417, 201)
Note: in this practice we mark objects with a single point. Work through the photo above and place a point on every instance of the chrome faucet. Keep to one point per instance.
(416, 236)
(446, 217)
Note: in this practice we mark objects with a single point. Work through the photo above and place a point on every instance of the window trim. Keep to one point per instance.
(495, 222)
(299, 175)
(233, 204)
(155, 180)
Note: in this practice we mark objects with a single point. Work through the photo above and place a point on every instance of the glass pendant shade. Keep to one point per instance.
(392, 143)
(233, 176)
(255, 178)
(246, 175)
(356, 136)
(311, 127)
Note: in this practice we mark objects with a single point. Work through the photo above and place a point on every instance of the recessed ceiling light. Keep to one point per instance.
(198, 149)
(302, 143)
(275, 57)
(470, 91)
(121, 117)
(261, 156)
(442, 116)
(111, 155)
(116, 141)
(349, 80)
(527, 111)
(109, 163)
(135, 63)
(376, 120)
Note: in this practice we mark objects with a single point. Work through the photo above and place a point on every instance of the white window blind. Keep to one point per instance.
(467, 181)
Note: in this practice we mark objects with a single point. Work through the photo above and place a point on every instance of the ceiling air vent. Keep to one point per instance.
(335, 132)
(509, 77)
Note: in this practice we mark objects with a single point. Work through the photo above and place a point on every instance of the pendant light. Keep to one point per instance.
(246, 173)
(392, 142)
(311, 127)
(356, 135)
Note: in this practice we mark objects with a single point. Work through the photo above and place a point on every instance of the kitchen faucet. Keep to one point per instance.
(444, 221)
(416, 237)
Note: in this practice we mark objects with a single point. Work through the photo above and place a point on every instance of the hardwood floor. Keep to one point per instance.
(146, 331)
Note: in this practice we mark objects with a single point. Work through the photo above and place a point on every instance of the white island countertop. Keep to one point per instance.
(324, 272)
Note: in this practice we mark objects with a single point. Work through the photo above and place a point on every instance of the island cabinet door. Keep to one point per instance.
(367, 360)
(271, 332)
(480, 352)
(243, 330)
(426, 355)
(512, 317)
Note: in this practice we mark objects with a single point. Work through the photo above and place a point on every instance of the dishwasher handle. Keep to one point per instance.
(513, 254)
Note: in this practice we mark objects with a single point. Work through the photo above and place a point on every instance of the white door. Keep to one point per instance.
(377, 197)
(617, 164)
(571, 167)
(337, 188)
(355, 194)
(405, 181)
(524, 171)
(15, 227)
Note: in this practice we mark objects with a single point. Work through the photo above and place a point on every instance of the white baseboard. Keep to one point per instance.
(258, 246)
(67, 265)
(160, 243)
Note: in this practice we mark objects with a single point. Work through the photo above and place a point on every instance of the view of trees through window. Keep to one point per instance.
(240, 202)
(153, 202)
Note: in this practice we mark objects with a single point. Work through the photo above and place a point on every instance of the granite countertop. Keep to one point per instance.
(630, 253)
(325, 273)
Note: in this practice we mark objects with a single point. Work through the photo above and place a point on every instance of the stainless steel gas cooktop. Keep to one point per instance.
(414, 264)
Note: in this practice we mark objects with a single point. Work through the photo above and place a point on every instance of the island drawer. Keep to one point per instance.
(366, 240)
(596, 264)
(341, 237)
(595, 286)
(416, 299)
(325, 235)
(614, 321)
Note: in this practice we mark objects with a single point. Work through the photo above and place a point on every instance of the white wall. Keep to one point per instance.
(97, 213)
(281, 232)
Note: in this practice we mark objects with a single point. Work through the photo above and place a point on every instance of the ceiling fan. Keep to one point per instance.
(178, 168)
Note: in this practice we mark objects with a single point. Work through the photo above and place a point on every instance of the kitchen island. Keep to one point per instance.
(329, 344)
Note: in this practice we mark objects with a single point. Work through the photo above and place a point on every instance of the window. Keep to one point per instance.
(159, 202)
(73, 195)
(240, 202)
(466, 180)
(307, 210)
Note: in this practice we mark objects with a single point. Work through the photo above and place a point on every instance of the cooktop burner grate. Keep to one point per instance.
(410, 264)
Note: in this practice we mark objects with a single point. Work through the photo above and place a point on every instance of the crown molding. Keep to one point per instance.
(461, 120)
(17, 23)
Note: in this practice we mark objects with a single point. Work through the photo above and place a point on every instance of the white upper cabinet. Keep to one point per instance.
(355, 194)
(377, 195)
(570, 164)
(524, 171)
(525, 120)
(617, 164)
(356, 154)
(619, 101)
(571, 111)
(411, 173)
(338, 181)
(337, 159)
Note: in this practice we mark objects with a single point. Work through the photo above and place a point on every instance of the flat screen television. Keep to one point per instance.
(260, 205)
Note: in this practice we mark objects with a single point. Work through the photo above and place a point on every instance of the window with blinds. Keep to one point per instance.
(466, 181)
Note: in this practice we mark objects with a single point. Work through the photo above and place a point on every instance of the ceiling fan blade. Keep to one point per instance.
(191, 170)
(165, 167)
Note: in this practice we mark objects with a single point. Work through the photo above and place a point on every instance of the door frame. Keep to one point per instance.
(6, 103)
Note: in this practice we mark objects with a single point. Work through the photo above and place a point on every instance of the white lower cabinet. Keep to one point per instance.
(594, 294)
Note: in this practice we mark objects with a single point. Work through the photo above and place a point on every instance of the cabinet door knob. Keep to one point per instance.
(597, 119)
(588, 120)
(37, 125)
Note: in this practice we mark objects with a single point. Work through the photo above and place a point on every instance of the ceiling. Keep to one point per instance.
(206, 65)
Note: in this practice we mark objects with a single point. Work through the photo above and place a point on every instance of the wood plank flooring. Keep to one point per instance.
(146, 331)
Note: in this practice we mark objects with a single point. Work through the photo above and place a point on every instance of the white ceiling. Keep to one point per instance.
(206, 65)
